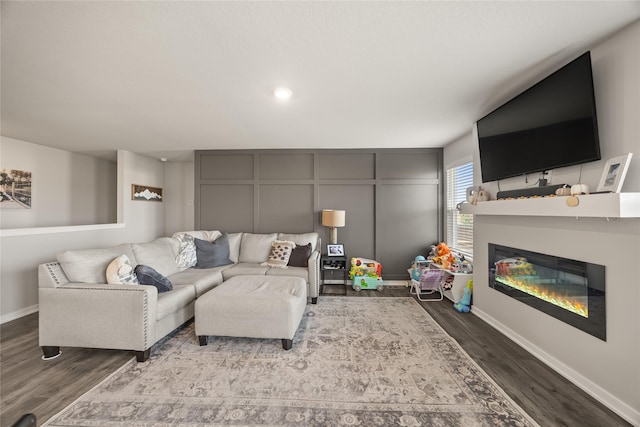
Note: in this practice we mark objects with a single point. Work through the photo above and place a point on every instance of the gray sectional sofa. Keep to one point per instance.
(78, 308)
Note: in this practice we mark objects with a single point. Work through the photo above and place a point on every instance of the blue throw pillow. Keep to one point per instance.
(148, 276)
(213, 254)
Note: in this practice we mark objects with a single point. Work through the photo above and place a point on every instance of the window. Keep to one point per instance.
(459, 225)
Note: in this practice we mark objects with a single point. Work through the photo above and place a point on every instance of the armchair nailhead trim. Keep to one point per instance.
(145, 311)
(52, 274)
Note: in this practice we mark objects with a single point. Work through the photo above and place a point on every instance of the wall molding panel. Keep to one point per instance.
(393, 198)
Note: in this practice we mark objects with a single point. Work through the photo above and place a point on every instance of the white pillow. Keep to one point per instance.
(280, 254)
(120, 271)
(187, 251)
(212, 235)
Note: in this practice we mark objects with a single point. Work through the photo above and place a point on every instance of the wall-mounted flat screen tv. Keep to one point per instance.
(550, 125)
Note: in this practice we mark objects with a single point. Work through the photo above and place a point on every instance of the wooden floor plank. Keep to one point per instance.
(30, 384)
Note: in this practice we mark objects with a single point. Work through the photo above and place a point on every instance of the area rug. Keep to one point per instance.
(355, 362)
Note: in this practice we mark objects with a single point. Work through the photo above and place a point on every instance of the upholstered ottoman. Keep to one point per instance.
(253, 307)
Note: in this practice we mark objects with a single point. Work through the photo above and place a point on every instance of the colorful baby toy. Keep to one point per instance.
(464, 305)
(365, 274)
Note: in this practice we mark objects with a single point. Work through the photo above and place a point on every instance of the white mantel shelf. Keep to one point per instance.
(607, 205)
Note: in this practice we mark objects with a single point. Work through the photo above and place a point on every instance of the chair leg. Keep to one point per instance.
(314, 300)
(287, 344)
(202, 339)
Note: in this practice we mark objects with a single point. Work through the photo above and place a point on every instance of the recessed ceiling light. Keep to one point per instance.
(283, 93)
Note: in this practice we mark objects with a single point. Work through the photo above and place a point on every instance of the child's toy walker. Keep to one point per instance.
(365, 274)
(440, 272)
(425, 280)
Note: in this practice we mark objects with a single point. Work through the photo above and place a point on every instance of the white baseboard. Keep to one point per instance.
(18, 314)
(390, 283)
(396, 283)
(603, 396)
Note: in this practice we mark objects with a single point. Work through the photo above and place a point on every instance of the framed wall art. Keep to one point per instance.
(15, 189)
(146, 193)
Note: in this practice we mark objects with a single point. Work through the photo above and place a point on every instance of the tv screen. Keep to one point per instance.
(550, 125)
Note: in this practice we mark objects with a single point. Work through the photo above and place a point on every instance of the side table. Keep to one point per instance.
(331, 266)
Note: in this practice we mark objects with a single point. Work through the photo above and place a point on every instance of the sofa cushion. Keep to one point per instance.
(174, 300)
(301, 239)
(120, 271)
(245, 269)
(301, 272)
(187, 250)
(90, 265)
(234, 246)
(203, 280)
(149, 276)
(159, 254)
(212, 254)
(280, 253)
(256, 247)
(300, 256)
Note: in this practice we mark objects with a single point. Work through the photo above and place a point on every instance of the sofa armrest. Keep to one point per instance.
(98, 316)
(50, 275)
(314, 274)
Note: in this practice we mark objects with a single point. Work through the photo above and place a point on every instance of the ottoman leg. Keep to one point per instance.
(202, 339)
(287, 344)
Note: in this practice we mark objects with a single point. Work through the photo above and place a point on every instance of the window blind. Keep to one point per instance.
(459, 225)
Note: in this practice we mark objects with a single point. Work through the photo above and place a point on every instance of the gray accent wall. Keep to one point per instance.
(392, 197)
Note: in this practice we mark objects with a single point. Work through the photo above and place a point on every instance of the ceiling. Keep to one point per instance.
(165, 78)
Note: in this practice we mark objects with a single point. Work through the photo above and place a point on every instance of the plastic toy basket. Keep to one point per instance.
(428, 282)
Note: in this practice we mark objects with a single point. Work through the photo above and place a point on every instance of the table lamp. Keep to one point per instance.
(333, 219)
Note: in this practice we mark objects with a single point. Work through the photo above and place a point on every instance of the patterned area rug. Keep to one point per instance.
(355, 361)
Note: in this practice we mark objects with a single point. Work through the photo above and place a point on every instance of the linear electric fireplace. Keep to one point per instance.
(569, 290)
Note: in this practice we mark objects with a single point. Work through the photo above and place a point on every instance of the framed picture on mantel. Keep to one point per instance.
(613, 173)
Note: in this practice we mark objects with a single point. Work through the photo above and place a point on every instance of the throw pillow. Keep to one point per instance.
(280, 253)
(120, 271)
(213, 254)
(148, 276)
(187, 251)
(300, 256)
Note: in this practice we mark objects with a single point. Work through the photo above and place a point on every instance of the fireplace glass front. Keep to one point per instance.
(569, 290)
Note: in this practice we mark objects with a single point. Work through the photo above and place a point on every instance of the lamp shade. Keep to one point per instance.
(333, 218)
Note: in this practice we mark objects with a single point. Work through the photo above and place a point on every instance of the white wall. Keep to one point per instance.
(22, 249)
(67, 188)
(179, 194)
(460, 151)
(609, 370)
(617, 90)
(144, 219)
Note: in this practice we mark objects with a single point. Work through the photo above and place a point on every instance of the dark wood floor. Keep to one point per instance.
(29, 384)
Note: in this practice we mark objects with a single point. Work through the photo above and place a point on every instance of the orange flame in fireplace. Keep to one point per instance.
(530, 285)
